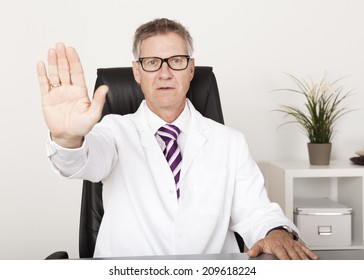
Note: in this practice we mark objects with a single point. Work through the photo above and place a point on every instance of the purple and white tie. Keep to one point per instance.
(169, 134)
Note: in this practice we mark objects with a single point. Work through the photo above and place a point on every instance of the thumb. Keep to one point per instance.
(255, 251)
(100, 95)
(98, 101)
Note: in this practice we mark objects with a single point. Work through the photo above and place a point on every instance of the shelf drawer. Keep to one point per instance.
(323, 222)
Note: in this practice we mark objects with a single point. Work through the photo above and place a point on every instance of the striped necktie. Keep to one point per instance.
(169, 134)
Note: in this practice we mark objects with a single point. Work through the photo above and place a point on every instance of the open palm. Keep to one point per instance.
(67, 109)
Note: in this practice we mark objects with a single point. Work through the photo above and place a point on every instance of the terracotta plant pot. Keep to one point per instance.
(319, 154)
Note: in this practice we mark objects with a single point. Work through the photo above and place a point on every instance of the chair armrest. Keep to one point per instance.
(57, 256)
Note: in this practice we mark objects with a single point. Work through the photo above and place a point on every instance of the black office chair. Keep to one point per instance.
(124, 97)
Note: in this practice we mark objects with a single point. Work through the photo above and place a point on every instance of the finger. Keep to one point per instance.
(309, 253)
(62, 64)
(281, 253)
(302, 255)
(76, 71)
(98, 102)
(255, 251)
(42, 78)
(295, 254)
(53, 67)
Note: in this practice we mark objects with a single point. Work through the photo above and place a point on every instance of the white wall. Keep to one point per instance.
(249, 43)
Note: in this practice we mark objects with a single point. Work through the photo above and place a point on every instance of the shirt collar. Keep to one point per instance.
(155, 122)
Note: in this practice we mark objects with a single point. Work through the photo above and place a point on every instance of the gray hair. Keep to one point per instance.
(160, 26)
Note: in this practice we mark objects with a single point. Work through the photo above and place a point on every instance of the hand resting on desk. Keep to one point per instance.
(281, 244)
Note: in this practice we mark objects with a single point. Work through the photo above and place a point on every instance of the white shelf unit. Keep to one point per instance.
(340, 181)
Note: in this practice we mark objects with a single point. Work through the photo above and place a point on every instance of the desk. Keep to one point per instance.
(340, 254)
(323, 255)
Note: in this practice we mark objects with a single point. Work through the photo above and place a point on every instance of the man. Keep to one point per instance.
(182, 196)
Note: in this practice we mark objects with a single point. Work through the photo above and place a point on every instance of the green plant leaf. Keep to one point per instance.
(321, 110)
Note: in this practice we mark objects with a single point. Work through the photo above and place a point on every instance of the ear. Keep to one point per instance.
(136, 72)
(192, 68)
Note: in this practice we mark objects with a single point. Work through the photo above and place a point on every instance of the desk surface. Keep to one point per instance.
(341, 255)
(323, 255)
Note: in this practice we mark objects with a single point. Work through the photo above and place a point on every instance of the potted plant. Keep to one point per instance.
(317, 116)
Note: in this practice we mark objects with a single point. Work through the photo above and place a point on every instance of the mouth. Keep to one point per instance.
(165, 88)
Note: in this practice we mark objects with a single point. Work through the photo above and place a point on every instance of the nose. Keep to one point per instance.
(165, 72)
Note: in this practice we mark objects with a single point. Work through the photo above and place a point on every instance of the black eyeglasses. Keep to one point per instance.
(153, 64)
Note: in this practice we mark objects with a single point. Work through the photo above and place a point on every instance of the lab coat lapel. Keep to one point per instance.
(156, 161)
(197, 137)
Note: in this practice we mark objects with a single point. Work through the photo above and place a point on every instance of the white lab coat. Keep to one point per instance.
(222, 189)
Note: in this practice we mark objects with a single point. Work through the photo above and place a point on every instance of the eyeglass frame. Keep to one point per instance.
(140, 60)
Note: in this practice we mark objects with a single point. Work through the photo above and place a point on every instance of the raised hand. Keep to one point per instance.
(67, 108)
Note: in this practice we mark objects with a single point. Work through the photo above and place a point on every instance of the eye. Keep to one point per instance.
(176, 60)
(151, 61)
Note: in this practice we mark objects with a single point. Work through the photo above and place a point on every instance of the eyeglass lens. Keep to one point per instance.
(177, 62)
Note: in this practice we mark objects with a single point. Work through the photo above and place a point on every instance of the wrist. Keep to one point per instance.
(69, 143)
(289, 230)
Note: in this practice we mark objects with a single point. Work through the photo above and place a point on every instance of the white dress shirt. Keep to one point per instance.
(222, 189)
(182, 122)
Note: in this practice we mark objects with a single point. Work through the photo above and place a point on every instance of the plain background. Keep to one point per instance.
(250, 44)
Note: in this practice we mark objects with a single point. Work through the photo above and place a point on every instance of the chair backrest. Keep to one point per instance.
(124, 97)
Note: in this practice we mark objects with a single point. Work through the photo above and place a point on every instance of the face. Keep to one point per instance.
(164, 90)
